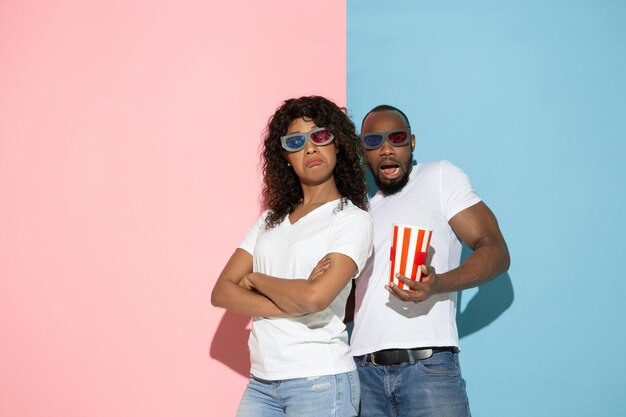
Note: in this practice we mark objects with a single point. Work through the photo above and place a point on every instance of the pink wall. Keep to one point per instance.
(128, 174)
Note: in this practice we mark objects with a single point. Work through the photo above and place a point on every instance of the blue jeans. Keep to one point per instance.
(322, 396)
(430, 387)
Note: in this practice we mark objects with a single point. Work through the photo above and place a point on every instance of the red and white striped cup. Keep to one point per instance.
(409, 248)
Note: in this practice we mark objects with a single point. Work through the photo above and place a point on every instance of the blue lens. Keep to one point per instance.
(373, 140)
(296, 142)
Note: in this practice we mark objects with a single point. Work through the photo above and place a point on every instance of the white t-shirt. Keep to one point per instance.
(436, 191)
(314, 344)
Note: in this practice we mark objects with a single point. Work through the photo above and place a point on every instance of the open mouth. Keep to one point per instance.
(390, 170)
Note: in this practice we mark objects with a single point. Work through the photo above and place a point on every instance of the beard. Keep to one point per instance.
(393, 186)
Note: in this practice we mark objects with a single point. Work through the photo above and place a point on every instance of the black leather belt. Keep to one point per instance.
(396, 356)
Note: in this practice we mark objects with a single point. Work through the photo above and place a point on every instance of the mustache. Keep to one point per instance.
(389, 161)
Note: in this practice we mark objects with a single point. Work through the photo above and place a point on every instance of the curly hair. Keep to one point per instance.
(282, 191)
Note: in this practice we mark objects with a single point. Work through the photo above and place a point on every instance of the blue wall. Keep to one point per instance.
(529, 98)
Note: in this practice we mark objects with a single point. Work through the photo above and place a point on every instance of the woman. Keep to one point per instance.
(293, 270)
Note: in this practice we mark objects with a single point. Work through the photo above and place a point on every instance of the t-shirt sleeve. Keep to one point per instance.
(457, 193)
(352, 235)
(249, 241)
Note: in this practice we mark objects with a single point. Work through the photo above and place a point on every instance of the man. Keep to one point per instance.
(405, 340)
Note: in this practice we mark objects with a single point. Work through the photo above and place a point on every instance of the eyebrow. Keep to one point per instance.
(299, 131)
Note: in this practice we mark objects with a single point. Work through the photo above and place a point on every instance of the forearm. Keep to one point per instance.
(294, 296)
(239, 300)
(489, 259)
(303, 296)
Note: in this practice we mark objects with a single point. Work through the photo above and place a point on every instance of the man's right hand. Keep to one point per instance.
(416, 291)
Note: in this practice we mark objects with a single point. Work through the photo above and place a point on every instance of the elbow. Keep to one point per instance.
(214, 301)
(314, 303)
(216, 298)
(506, 259)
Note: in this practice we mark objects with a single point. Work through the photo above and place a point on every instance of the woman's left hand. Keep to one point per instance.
(321, 267)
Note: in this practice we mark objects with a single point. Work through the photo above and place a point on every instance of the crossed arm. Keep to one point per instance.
(240, 290)
(478, 228)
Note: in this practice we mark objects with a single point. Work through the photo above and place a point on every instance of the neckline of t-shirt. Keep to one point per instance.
(414, 172)
(309, 214)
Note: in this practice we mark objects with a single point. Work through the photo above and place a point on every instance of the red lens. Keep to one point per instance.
(397, 137)
(321, 136)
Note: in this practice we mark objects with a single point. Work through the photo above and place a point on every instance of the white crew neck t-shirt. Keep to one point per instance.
(317, 343)
(436, 191)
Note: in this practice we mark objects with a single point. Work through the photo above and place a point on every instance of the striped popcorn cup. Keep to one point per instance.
(409, 248)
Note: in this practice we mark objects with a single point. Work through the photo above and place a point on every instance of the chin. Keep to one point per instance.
(393, 186)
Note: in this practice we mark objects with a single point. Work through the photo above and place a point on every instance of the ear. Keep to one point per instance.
(412, 143)
(284, 154)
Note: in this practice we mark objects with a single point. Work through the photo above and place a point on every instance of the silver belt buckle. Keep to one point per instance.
(421, 354)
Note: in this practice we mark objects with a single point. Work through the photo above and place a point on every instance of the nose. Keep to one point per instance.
(310, 148)
(386, 149)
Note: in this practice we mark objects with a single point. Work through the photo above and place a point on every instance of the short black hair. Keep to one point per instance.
(386, 107)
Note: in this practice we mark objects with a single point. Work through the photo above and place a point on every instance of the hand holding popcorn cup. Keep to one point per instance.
(409, 249)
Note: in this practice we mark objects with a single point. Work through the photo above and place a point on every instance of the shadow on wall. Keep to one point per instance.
(491, 300)
(230, 343)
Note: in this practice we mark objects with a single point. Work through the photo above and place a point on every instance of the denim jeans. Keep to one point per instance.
(430, 387)
(322, 396)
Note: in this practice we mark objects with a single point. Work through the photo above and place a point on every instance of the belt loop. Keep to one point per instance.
(364, 359)
(411, 357)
